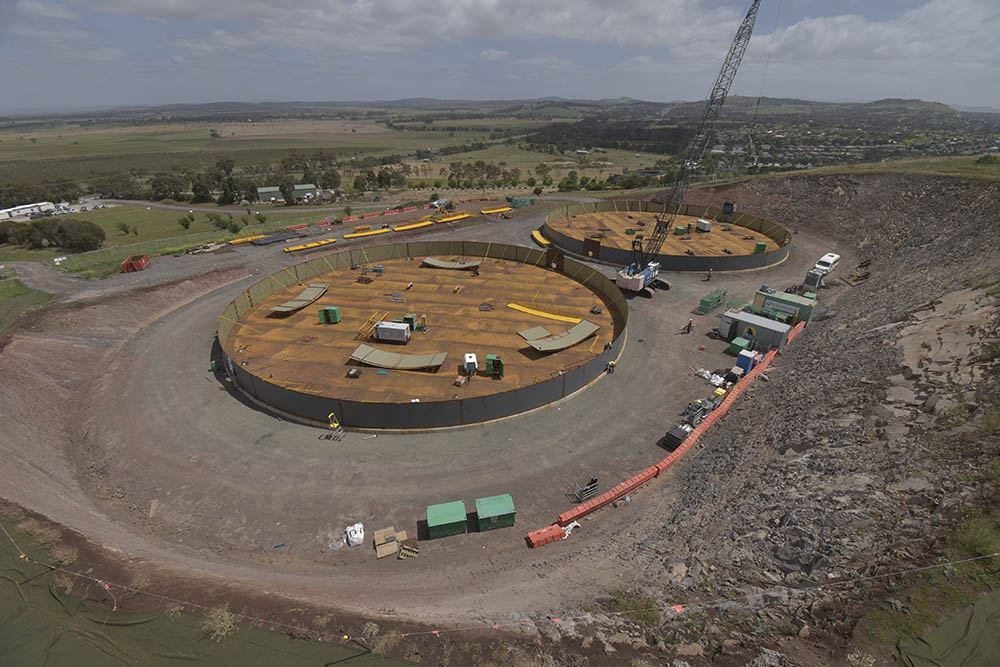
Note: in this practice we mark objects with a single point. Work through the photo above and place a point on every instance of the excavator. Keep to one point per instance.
(643, 271)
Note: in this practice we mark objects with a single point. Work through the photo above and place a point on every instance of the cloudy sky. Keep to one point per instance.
(84, 53)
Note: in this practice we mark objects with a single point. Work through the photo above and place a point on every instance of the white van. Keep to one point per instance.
(828, 262)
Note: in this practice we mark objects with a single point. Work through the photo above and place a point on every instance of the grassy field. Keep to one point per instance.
(158, 233)
(593, 165)
(15, 298)
(75, 153)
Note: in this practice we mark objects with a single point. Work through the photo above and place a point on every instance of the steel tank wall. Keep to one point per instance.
(620, 257)
(361, 414)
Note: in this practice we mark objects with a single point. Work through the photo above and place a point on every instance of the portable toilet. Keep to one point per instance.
(446, 519)
(494, 366)
(745, 360)
(728, 208)
(471, 365)
(329, 315)
(495, 512)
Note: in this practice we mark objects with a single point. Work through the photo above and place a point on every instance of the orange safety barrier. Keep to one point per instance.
(322, 223)
(537, 538)
(349, 218)
(391, 212)
(293, 228)
(426, 206)
(409, 208)
(795, 331)
(371, 215)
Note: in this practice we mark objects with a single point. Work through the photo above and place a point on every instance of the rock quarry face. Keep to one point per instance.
(823, 473)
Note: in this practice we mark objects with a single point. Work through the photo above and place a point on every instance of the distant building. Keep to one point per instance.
(25, 210)
(269, 193)
(306, 191)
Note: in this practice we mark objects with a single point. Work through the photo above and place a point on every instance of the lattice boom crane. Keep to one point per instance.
(642, 271)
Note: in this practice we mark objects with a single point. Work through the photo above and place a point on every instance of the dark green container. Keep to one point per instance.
(760, 247)
(495, 512)
(215, 365)
(446, 519)
(329, 315)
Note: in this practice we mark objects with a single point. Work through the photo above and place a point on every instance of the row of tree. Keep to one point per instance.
(67, 233)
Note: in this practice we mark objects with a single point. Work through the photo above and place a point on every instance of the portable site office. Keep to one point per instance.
(799, 308)
(763, 334)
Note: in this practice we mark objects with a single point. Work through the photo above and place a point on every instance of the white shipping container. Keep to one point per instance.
(704, 225)
(397, 332)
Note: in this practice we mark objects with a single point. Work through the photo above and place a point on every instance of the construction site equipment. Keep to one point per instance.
(368, 327)
(415, 225)
(697, 410)
(471, 364)
(703, 225)
(638, 280)
(678, 434)
(762, 333)
(746, 360)
(395, 332)
(542, 313)
(411, 319)
(494, 366)
(711, 301)
(491, 211)
(247, 239)
(309, 246)
(680, 230)
(534, 333)
(457, 266)
(408, 548)
(308, 295)
(495, 512)
(374, 232)
(586, 492)
(643, 253)
(522, 202)
(737, 345)
(329, 315)
(135, 263)
(387, 541)
(537, 237)
(543, 536)
(814, 279)
(759, 247)
(365, 354)
(728, 208)
(576, 334)
(354, 535)
(455, 218)
(446, 519)
(797, 308)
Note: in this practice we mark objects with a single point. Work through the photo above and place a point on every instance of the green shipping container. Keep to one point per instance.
(495, 512)
(760, 247)
(680, 230)
(446, 519)
(521, 202)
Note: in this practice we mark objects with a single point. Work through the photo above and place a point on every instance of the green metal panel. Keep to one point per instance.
(738, 345)
(495, 512)
(446, 519)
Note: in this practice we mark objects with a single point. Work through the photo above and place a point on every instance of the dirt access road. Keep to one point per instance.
(126, 436)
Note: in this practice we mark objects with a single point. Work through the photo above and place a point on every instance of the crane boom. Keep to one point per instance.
(693, 154)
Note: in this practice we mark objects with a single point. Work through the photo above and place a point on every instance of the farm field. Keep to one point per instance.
(595, 164)
(79, 153)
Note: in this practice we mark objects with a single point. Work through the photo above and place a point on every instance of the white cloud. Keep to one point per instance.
(494, 54)
(46, 10)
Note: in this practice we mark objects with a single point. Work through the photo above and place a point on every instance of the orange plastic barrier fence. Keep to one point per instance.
(391, 212)
(293, 228)
(349, 218)
(426, 206)
(371, 215)
(409, 208)
(537, 538)
(322, 223)
(795, 331)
